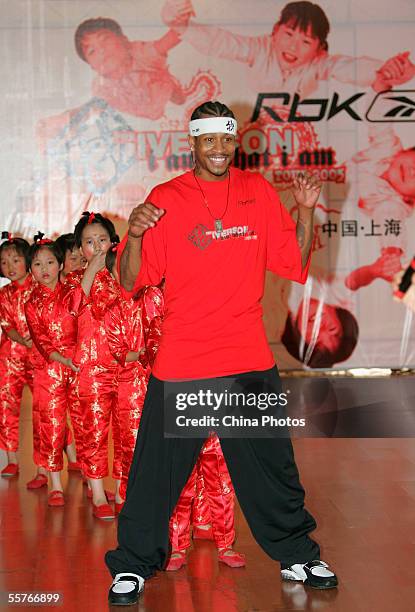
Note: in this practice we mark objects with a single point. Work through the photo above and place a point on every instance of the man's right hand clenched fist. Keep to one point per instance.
(142, 218)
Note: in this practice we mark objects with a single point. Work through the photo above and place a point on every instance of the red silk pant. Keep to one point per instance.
(56, 393)
(36, 425)
(215, 505)
(131, 394)
(15, 373)
(200, 505)
(98, 399)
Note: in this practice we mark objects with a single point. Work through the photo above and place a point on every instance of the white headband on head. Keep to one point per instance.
(213, 125)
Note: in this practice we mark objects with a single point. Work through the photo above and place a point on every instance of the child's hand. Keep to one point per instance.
(97, 262)
(71, 365)
(388, 264)
(133, 356)
(67, 361)
(395, 71)
(27, 341)
(176, 13)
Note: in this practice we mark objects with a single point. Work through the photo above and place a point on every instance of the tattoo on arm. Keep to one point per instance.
(304, 233)
(300, 231)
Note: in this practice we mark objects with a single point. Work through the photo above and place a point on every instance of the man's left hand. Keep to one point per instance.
(306, 190)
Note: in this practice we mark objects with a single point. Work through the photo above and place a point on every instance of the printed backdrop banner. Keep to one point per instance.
(96, 100)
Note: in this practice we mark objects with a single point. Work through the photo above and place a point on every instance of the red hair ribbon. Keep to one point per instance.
(7, 236)
(39, 239)
(91, 217)
(114, 247)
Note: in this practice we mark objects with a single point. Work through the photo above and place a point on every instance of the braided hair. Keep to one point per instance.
(212, 109)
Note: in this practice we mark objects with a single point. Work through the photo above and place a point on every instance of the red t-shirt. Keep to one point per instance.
(214, 281)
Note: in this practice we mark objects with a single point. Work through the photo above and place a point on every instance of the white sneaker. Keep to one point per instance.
(316, 574)
(125, 589)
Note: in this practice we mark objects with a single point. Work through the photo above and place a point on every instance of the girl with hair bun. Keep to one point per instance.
(93, 290)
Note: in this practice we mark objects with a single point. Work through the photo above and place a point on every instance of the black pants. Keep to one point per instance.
(263, 473)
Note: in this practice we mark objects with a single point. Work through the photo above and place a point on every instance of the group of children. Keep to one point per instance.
(85, 347)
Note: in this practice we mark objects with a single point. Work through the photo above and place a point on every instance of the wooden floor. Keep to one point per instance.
(362, 493)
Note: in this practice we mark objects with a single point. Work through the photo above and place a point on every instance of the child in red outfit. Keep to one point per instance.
(93, 290)
(73, 259)
(132, 323)
(15, 368)
(209, 490)
(53, 330)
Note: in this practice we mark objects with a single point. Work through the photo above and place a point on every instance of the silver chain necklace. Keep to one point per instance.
(217, 220)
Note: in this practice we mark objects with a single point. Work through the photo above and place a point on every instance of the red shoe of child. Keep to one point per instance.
(39, 481)
(177, 562)
(10, 471)
(202, 534)
(109, 495)
(103, 512)
(74, 466)
(56, 498)
(232, 558)
(118, 507)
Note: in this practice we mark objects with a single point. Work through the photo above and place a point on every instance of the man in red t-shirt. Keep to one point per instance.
(211, 234)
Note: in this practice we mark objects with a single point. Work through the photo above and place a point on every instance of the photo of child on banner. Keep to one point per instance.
(93, 148)
(293, 58)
